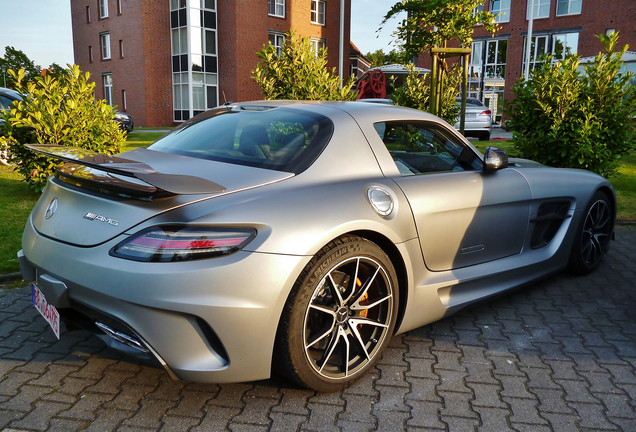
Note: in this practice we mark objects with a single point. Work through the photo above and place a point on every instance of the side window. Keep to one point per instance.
(420, 147)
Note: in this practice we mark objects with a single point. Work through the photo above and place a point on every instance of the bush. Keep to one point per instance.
(564, 118)
(57, 110)
(416, 90)
(297, 73)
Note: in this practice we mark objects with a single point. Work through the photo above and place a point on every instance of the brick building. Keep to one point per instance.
(559, 27)
(164, 61)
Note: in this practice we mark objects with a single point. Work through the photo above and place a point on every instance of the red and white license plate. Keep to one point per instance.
(49, 312)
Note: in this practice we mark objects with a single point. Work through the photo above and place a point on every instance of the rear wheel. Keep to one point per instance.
(340, 315)
(593, 235)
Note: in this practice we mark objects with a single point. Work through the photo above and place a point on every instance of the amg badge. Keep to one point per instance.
(96, 217)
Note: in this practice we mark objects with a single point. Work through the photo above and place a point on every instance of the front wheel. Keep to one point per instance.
(593, 235)
(339, 316)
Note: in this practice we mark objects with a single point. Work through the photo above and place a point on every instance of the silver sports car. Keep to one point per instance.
(297, 237)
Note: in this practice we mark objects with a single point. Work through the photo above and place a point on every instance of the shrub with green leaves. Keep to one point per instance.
(59, 110)
(565, 118)
(299, 73)
(415, 91)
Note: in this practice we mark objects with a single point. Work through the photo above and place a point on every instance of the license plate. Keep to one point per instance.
(471, 115)
(49, 312)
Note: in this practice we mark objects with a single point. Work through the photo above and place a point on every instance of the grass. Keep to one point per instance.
(17, 200)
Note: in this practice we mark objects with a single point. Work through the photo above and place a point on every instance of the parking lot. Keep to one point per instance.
(559, 355)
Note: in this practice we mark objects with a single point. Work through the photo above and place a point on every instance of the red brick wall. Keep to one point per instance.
(243, 30)
(595, 18)
(145, 71)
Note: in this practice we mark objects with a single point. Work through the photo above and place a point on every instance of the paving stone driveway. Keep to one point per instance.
(557, 356)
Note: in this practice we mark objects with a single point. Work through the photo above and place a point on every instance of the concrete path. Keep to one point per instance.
(557, 356)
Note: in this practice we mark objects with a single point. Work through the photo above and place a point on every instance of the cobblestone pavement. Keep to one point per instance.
(557, 356)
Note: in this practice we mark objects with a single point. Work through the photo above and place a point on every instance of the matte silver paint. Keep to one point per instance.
(457, 237)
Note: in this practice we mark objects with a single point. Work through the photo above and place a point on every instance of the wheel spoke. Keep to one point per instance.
(366, 321)
(355, 281)
(356, 333)
(324, 309)
(318, 338)
(335, 289)
(331, 347)
(365, 288)
(358, 306)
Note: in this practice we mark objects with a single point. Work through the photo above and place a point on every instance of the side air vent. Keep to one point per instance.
(549, 219)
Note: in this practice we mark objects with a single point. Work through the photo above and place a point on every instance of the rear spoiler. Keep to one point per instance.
(173, 184)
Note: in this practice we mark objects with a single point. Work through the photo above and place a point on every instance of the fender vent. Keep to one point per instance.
(549, 219)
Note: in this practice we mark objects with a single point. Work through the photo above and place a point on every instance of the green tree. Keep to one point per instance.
(415, 92)
(564, 118)
(380, 58)
(56, 110)
(432, 23)
(15, 59)
(299, 73)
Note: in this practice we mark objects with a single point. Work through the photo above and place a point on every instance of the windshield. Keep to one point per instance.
(280, 139)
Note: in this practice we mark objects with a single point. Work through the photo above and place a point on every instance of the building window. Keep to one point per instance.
(538, 48)
(108, 88)
(564, 45)
(277, 8)
(118, 7)
(496, 51)
(501, 8)
(121, 48)
(105, 44)
(568, 7)
(277, 39)
(124, 102)
(88, 14)
(317, 45)
(541, 9)
(103, 9)
(318, 12)
(90, 54)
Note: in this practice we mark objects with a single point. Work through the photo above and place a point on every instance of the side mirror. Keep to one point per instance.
(495, 159)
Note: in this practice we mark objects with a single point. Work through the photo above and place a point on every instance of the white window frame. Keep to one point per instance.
(88, 14)
(107, 80)
(278, 38)
(503, 12)
(318, 8)
(569, 4)
(121, 48)
(316, 44)
(124, 100)
(539, 7)
(534, 54)
(118, 7)
(90, 54)
(277, 8)
(104, 43)
(103, 9)
(567, 45)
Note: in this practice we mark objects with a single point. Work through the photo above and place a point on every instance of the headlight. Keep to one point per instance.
(121, 116)
(175, 243)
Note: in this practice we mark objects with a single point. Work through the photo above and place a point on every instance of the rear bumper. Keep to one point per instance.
(207, 321)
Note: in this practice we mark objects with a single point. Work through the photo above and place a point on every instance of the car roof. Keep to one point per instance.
(358, 110)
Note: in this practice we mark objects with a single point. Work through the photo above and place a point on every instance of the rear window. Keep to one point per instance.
(280, 139)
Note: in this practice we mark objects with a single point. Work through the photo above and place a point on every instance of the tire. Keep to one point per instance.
(339, 316)
(484, 137)
(592, 238)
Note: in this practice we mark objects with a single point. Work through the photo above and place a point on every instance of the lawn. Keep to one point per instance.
(17, 200)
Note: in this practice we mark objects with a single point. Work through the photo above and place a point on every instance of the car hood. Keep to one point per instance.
(85, 213)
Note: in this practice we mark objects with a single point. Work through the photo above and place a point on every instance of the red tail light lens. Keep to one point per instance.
(169, 244)
(487, 112)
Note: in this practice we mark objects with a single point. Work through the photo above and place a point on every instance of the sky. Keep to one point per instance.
(42, 28)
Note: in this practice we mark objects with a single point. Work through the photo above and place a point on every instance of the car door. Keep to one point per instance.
(464, 216)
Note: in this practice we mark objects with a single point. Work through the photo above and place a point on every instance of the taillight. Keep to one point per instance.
(487, 112)
(175, 243)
